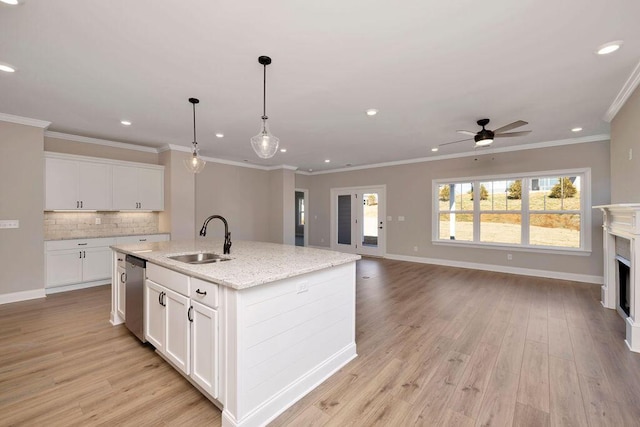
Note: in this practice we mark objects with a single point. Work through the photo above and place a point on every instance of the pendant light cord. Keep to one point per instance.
(264, 94)
(194, 126)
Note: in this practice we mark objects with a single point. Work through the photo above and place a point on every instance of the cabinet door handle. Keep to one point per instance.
(81, 203)
(199, 292)
(160, 298)
(84, 254)
(164, 303)
(80, 253)
(77, 204)
(85, 244)
(142, 240)
(123, 277)
(189, 316)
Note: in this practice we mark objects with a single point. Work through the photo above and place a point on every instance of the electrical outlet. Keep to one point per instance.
(302, 287)
(630, 153)
(415, 249)
(322, 240)
(509, 257)
(400, 218)
(98, 221)
(10, 223)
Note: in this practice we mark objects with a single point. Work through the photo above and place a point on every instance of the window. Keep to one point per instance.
(538, 211)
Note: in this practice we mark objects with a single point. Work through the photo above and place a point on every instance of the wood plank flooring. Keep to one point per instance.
(436, 346)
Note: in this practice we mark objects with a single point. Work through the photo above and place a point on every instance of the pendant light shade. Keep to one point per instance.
(264, 143)
(194, 164)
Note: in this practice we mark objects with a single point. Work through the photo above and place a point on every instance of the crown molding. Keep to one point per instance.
(24, 121)
(627, 90)
(87, 140)
(546, 144)
(284, 167)
(173, 147)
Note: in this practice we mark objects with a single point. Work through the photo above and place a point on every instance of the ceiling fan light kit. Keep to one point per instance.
(485, 137)
(265, 144)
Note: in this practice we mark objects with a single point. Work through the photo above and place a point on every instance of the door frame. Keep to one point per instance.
(306, 215)
(380, 189)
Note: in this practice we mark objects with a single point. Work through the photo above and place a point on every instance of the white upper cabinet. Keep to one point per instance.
(138, 188)
(77, 185)
(87, 183)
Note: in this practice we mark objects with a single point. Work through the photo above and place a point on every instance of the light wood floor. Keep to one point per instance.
(436, 345)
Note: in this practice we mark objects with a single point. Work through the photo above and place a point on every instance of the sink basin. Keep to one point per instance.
(199, 258)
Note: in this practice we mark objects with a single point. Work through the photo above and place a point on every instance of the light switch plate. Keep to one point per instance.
(400, 218)
(9, 223)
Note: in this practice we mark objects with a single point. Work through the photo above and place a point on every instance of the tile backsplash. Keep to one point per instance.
(67, 225)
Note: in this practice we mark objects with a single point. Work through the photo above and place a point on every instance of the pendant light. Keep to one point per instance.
(194, 164)
(265, 144)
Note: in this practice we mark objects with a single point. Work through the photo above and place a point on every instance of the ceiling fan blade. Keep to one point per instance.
(511, 126)
(455, 142)
(506, 135)
(466, 132)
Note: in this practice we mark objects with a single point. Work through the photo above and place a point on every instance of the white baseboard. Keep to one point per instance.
(502, 269)
(21, 296)
(270, 409)
(67, 288)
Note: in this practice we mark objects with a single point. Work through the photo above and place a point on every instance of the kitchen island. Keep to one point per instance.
(255, 332)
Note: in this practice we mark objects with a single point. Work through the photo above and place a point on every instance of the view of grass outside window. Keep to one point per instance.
(537, 211)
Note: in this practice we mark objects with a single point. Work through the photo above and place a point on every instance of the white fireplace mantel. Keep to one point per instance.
(622, 220)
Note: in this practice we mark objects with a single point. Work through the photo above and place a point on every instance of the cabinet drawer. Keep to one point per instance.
(170, 279)
(53, 245)
(204, 292)
(125, 240)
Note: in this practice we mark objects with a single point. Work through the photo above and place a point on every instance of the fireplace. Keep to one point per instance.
(621, 288)
(623, 280)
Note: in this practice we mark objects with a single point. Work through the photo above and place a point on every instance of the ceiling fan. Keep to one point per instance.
(485, 136)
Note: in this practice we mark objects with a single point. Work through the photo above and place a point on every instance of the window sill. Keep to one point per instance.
(520, 248)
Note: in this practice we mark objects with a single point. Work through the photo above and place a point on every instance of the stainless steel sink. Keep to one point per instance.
(199, 258)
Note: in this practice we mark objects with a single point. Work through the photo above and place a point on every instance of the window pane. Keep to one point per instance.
(344, 220)
(501, 228)
(555, 230)
(456, 227)
(455, 197)
(555, 193)
(504, 195)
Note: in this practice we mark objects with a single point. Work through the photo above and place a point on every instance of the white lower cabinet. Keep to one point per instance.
(167, 324)
(204, 348)
(78, 261)
(182, 329)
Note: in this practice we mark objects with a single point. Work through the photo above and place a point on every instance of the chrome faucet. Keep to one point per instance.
(227, 235)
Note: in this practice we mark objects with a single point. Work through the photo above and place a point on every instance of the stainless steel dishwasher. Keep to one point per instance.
(134, 295)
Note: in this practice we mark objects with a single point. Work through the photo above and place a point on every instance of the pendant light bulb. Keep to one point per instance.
(265, 144)
(195, 164)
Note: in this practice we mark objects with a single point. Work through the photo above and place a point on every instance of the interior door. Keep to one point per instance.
(358, 220)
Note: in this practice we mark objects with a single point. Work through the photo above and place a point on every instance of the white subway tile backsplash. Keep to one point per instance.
(64, 225)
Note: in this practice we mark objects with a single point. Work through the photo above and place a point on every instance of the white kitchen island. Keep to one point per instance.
(255, 333)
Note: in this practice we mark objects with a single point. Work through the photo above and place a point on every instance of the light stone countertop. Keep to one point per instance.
(251, 264)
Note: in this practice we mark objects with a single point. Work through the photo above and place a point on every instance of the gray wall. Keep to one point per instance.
(178, 217)
(241, 195)
(625, 135)
(408, 190)
(21, 198)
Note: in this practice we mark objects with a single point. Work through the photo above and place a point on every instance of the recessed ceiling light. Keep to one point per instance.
(7, 68)
(372, 112)
(609, 47)
(327, 161)
(434, 149)
(283, 150)
(125, 122)
(578, 129)
(219, 135)
(11, 2)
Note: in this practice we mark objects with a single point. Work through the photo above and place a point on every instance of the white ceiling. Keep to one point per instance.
(429, 67)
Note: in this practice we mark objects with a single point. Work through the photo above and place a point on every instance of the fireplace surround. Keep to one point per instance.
(621, 288)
